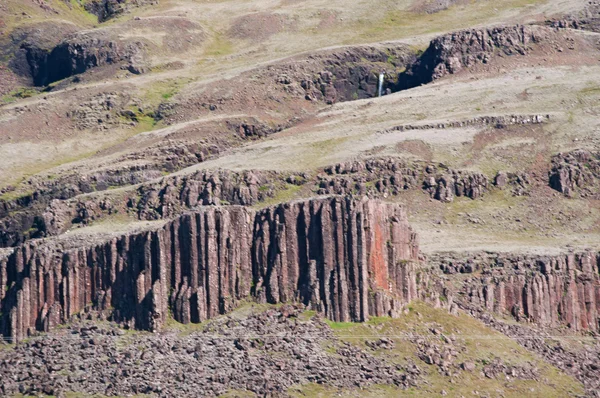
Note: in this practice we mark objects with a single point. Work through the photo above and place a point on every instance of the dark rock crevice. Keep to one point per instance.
(353, 74)
(76, 55)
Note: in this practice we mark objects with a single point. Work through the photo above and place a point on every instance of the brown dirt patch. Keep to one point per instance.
(171, 34)
(8, 80)
(417, 148)
(433, 6)
(328, 19)
(525, 147)
(260, 26)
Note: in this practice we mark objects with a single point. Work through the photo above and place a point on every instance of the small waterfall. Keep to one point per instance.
(381, 77)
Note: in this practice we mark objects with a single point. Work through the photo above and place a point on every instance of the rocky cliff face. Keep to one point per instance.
(352, 74)
(49, 211)
(575, 172)
(451, 53)
(108, 9)
(206, 187)
(77, 54)
(390, 176)
(349, 259)
(549, 291)
(54, 207)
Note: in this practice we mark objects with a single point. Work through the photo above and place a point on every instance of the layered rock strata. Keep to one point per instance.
(390, 176)
(349, 259)
(33, 217)
(497, 122)
(547, 290)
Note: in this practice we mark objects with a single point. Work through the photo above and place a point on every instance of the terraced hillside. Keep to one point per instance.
(328, 198)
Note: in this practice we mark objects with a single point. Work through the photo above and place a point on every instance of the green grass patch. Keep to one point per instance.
(184, 329)
(20, 93)
(398, 23)
(6, 347)
(480, 343)
(14, 195)
(162, 91)
(307, 315)
(69, 10)
(340, 325)
(591, 90)
(220, 45)
(323, 391)
(286, 194)
(231, 393)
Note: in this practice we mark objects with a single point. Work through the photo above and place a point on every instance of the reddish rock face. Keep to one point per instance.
(549, 291)
(348, 259)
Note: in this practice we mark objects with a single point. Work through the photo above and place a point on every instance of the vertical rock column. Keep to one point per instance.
(344, 257)
(347, 258)
(549, 291)
(210, 267)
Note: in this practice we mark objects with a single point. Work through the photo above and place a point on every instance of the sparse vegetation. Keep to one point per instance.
(21, 93)
(201, 101)
(481, 343)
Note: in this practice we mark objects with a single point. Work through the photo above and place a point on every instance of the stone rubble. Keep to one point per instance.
(265, 353)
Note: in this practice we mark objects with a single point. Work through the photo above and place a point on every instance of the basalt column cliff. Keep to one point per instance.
(346, 258)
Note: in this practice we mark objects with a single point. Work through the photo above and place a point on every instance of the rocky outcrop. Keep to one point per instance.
(102, 111)
(352, 74)
(390, 176)
(108, 9)
(576, 172)
(48, 211)
(349, 259)
(548, 291)
(582, 364)
(33, 213)
(456, 183)
(586, 19)
(23, 41)
(520, 182)
(451, 53)
(77, 54)
(170, 196)
(497, 122)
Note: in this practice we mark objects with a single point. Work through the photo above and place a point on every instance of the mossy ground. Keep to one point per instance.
(482, 345)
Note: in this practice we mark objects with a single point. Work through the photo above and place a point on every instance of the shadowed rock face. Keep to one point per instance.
(76, 55)
(576, 172)
(549, 291)
(108, 9)
(450, 53)
(346, 258)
